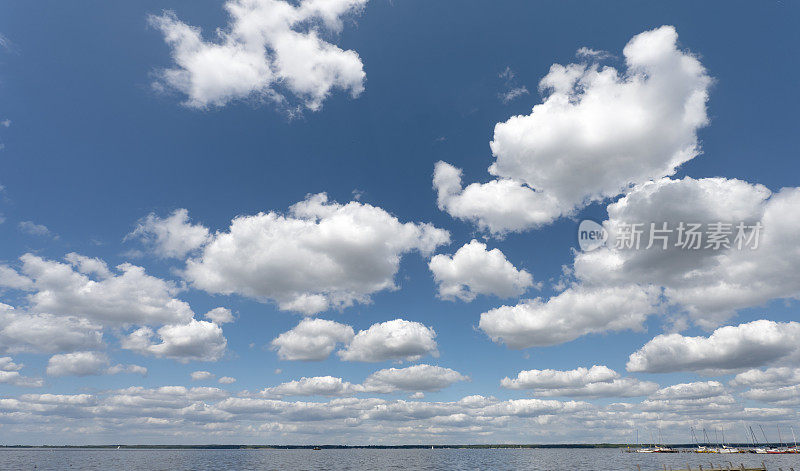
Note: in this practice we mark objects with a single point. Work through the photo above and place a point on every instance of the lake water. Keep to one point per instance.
(360, 459)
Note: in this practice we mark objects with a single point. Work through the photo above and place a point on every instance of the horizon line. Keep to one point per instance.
(402, 446)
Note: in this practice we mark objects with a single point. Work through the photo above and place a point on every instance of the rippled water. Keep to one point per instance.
(359, 459)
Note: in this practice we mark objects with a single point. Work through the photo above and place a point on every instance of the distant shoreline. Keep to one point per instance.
(347, 447)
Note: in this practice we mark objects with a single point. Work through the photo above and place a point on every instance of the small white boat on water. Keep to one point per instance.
(727, 449)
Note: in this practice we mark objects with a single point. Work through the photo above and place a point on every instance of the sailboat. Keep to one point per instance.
(662, 448)
(756, 448)
(724, 448)
(705, 448)
(655, 448)
(773, 450)
(794, 439)
(639, 449)
(700, 448)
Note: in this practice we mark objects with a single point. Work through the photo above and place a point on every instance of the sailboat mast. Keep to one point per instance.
(766, 441)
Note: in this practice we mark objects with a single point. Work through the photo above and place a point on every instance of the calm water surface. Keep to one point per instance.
(354, 459)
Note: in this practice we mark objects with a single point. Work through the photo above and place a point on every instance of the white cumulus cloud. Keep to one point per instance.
(21, 331)
(597, 132)
(219, 315)
(77, 364)
(706, 284)
(575, 312)
(415, 378)
(312, 339)
(690, 391)
(784, 395)
(474, 270)
(10, 278)
(320, 255)
(776, 376)
(727, 349)
(268, 48)
(498, 206)
(194, 341)
(397, 339)
(170, 237)
(129, 297)
(88, 363)
(9, 374)
(201, 375)
(14, 378)
(7, 364)
(597, 381)
(70, 304)
(313, 386)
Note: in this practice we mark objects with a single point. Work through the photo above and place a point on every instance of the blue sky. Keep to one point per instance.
(98, 138)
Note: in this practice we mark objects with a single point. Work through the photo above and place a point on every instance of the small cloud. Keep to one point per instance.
(512, 89)
(220, 315)
(357, 194)
(5, 123)
(7, 45)
(513, 94)
(588, 53)
(127, 369)
(278, 371)
(31, 228)
(226, 380)
(171, 237)
(202, 375)
(507, 74)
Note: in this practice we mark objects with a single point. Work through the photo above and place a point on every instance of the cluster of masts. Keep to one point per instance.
(756, 446)
(654, 448)
(707, 446)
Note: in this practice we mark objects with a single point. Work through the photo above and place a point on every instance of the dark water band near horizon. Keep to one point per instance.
(534, 459)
